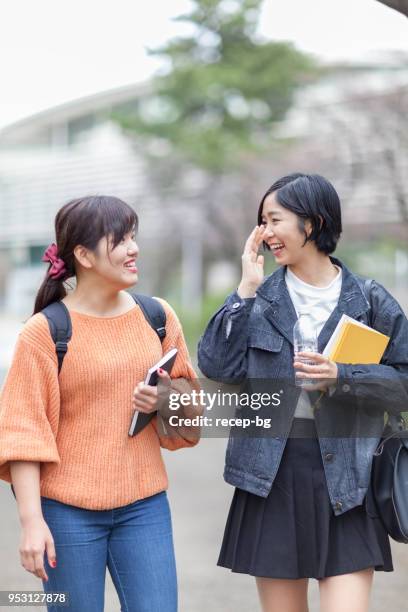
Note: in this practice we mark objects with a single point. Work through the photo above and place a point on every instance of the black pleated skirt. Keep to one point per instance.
(294, 533)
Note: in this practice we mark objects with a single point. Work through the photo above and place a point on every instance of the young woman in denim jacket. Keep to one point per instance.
(300, 508)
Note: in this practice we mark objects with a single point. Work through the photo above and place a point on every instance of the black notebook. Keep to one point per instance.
(141, 419)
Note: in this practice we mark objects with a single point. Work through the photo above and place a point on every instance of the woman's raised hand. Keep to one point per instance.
(252, 264)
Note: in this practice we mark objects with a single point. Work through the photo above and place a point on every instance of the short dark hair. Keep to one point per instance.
(312, 197)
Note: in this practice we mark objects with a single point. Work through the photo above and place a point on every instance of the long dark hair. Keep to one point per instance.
(84, 221)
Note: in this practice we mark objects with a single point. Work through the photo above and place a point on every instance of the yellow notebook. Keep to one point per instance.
(354, 342)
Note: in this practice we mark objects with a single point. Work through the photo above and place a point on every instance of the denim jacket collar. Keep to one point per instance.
(281, 312)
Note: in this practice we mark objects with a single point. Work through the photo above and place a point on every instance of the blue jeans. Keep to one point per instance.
(135, 542)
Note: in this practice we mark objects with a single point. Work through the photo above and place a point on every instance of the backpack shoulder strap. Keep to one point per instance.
(153, 312)
(59, 322)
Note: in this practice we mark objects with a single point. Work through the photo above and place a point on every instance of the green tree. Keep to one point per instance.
(201, 123)
(224, 89)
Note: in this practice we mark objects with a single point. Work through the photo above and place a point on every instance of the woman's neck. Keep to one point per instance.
(316, 269)
(98, 301)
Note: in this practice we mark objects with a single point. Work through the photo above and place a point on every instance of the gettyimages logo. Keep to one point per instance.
(223, 399)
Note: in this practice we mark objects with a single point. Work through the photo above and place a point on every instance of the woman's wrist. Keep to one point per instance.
(25, 476)
(187, 411)
(188, 405)
(27, 518)
(246, 290)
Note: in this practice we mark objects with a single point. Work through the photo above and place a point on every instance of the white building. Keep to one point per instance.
(45, 160)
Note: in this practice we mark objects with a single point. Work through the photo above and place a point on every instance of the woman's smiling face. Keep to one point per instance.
(283, 232)
(115, 265)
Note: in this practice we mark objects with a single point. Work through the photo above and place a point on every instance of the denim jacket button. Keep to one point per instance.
(236, 305)
(338, 505)
(346, 388)
(329, 457)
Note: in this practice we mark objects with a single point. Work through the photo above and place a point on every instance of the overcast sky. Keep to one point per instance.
(52, 51)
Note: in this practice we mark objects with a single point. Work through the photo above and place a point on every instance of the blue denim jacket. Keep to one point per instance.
(249, 339)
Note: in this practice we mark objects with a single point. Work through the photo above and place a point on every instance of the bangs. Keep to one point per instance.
(115, 219)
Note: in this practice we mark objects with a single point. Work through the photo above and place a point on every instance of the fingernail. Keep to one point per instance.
(53, 564)
(161, 371)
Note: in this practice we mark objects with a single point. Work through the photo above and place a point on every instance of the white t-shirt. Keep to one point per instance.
(320, 302)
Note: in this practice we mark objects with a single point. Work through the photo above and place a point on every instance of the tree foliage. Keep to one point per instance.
(224, 88)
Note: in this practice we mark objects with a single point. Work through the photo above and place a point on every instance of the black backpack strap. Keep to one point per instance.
(59, 322)
(153, 312)
(393, 420)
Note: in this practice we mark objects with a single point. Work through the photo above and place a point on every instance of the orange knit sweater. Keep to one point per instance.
(76, 423)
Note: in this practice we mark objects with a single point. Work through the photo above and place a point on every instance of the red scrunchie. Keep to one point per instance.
(57, 268)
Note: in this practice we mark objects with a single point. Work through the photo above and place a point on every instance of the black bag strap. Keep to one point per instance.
(59, 322)
(153, 312)
(395, 422)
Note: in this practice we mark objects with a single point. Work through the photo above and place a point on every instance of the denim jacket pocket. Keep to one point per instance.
(265, 353)
(265, 340)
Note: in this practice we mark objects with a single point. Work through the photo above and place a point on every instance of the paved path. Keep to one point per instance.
(199, 500)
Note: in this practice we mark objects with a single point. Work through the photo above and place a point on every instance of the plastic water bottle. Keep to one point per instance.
(304, 339)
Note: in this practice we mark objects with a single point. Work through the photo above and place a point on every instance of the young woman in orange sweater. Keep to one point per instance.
(90, 496)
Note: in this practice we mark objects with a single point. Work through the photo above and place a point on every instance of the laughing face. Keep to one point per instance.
(283, 232)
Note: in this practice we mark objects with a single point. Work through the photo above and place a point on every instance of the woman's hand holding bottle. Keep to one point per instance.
(252, 264)
(323, 372)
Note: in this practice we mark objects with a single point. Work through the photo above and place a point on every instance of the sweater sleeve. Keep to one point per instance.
(177, 437)
(30, 400)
